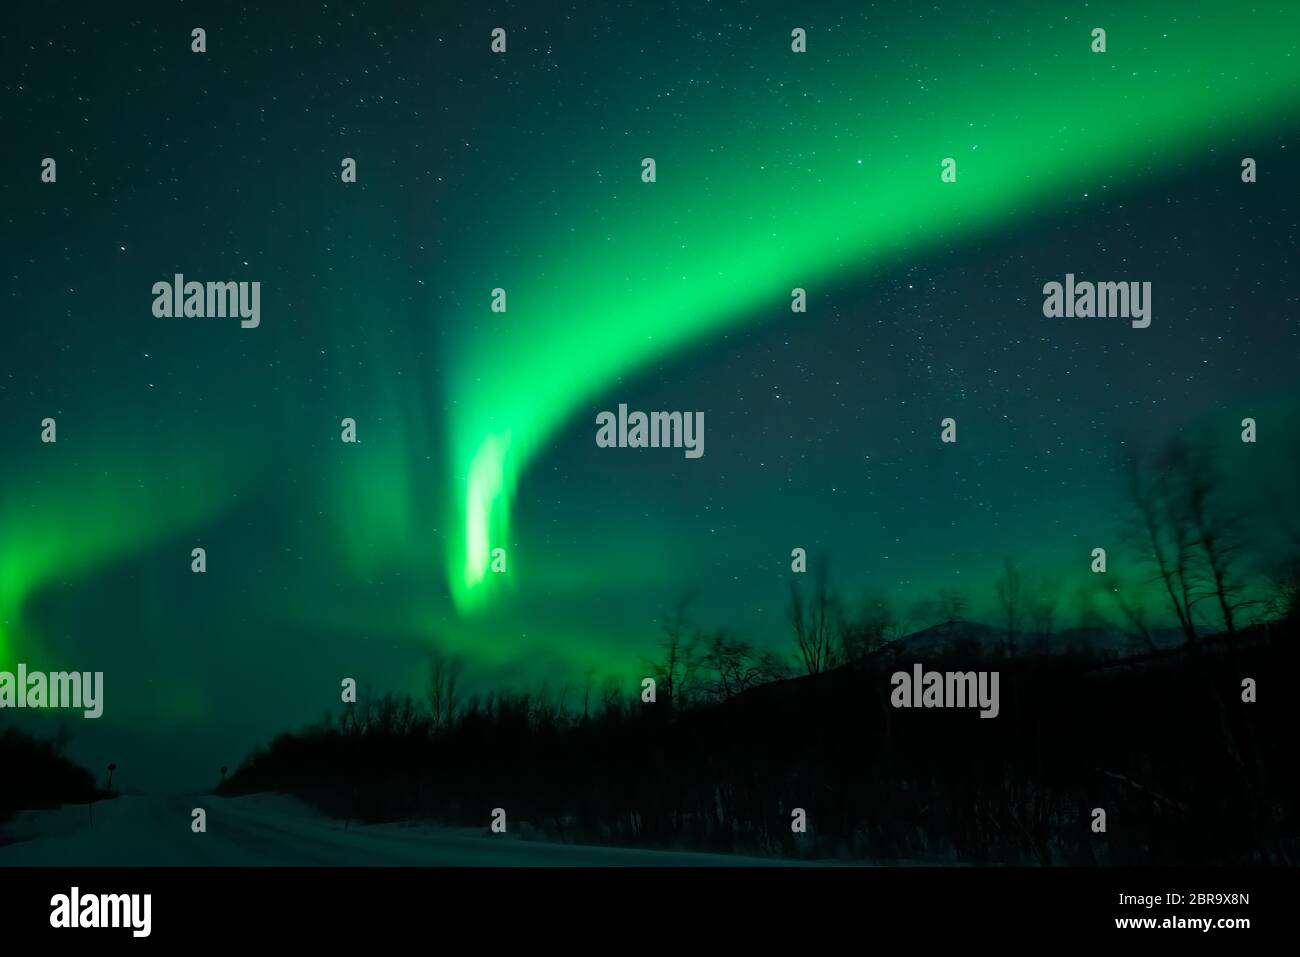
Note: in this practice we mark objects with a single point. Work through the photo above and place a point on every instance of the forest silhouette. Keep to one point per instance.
(1153, 725)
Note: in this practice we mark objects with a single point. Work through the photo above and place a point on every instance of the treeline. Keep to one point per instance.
(731, 743)
(37, 774)
(1191, 549)
(1186, 771)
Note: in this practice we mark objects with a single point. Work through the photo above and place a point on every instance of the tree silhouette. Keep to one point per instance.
(869, 629)
(678, 656)
(1218, 529)
(1283, 602)
(732, 666)
(1010, 593)
(817, 623)
(444, 674)
(1163, 536)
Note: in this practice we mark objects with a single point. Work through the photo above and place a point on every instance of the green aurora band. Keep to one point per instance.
(72, 520)
(824, 188)
(761, 188)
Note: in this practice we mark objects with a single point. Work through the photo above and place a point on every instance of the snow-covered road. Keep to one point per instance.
(266, 829)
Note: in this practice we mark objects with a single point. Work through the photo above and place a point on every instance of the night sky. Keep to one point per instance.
(522, 171)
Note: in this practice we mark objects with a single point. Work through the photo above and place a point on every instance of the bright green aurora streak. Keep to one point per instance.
(819, 194)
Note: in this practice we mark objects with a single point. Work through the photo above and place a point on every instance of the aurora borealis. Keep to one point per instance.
(810, 195)
(775, 170)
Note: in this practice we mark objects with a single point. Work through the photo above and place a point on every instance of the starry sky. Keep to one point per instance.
(522, 171)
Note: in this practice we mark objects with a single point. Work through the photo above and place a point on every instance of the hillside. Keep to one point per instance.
(1186, 771)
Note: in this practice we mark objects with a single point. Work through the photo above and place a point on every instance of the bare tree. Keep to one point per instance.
(816, 623)
(1217, 527)
(1284, 591)
(1165, 537)
(545, 708)
(869, 629)
(611, 695)
(1011, 605)
(678, 656)
(732, 665)
(773, 666)
(444, 675)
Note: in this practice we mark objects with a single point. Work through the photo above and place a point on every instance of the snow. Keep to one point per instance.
(272, 829)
